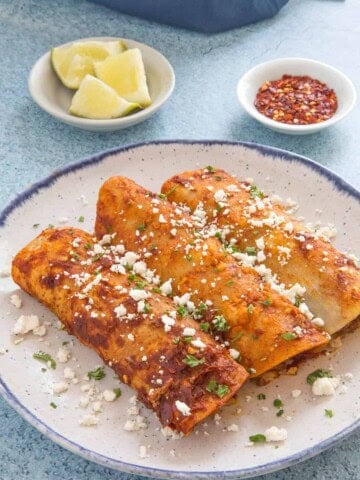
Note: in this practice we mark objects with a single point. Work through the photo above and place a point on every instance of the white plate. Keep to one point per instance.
(221, 454)
(252, 80)
(51, 95)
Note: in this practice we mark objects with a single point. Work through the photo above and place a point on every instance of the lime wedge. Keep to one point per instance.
(125, 73)
(96, 100)
(72, 63)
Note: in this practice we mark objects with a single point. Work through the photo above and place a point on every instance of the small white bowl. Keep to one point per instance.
(51, 95)
(252, 80)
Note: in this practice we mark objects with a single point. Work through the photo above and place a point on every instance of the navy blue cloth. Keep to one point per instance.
(203, 15)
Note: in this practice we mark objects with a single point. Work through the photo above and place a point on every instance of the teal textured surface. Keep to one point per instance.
(203, 106)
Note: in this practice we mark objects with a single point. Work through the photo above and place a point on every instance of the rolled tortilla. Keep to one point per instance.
(295, 254)
(95, 293)
(231, 300)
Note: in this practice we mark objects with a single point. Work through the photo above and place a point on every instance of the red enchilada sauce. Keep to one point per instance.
(296, 100)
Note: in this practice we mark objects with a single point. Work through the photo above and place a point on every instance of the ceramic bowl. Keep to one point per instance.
(249, 84)
(49, 93)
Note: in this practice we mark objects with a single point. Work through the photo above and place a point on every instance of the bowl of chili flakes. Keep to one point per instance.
(296, 96)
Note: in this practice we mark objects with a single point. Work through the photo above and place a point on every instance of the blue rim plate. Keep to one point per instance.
(153, 162)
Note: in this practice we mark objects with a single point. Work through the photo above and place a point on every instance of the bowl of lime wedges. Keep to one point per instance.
(102, 83)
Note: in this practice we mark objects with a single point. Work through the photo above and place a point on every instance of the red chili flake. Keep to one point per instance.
(298, 100)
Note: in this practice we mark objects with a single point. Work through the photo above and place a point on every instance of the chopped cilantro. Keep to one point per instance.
(182, 310)
(36, 225)
(329, 413)
(205, 326)
(250, 308)
(187, 339)
(237, 337)
(297, 302)
(164, 196)
(192, 361)
(87, 246)
(117, 392)
(289, 336)
(230, 283)
(254, 337)
(278, 403)
(140, 285)
(53, 405)
(261, 396)
(210, 169)
(45, 357)
(267, 302)
(220, 323)
(218, 178)
(218, 236)
(320, 373)
(222, 390)
(250, 251)
(156, 290)
(219, 207)
(258, 438)
(50, 225)
(75, 256)
(280, 413)
(141, 227)
(65, 343)
(218, 389)
(147, 308)
(81, 219)
(109, 229)
(176, 340)
(255, 192)
(97, 257)
(131, 277)
(188, 258)
(96, 374)
(211, 385)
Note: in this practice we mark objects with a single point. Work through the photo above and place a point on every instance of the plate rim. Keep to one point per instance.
(339, 183)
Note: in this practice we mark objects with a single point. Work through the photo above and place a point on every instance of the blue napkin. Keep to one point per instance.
(208, 16)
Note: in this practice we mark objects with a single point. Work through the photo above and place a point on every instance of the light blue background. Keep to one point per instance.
(203, 106)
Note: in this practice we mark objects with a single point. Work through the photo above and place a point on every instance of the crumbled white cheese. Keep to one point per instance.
(138, 423)
(59, 387)
(325, 386)
(319, 322)
(88, 420)
(220, 196)
(198, 343)
(16, 300)
(183, 408)
(296, 393)
(109, 395)
(63, 355)
(162, 219)
(97, 407)
(260, 243)
(274, 434)
(120, 311)
(189, 332)
(233, 428)
(131, 337)
(169, 433)
(25, 324)
(138, 294)
(234, 353)
(166, 287)
(168, 322)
